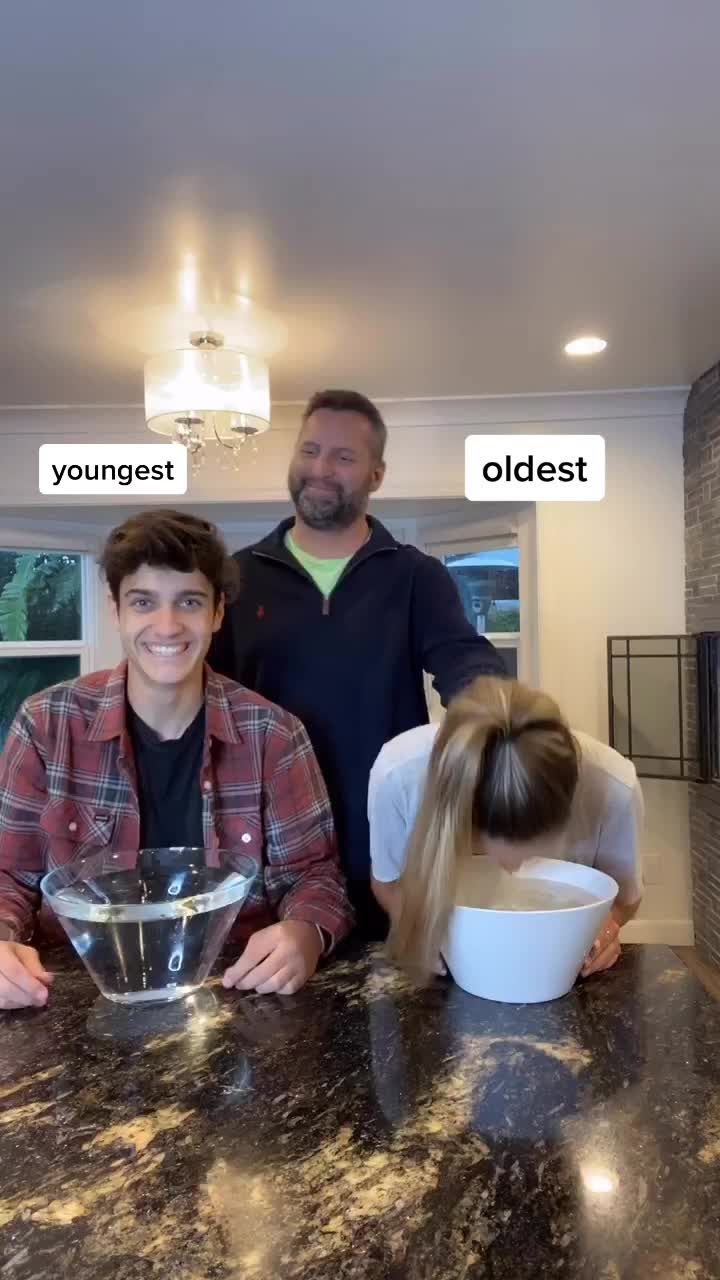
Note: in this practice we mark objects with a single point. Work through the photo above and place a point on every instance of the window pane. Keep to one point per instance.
(488, 582)
(21, 677)
(655, 717)
(620, 714)
(653, 646)
(657, 767)
(40, 596)
(509, 657)
(653, 691)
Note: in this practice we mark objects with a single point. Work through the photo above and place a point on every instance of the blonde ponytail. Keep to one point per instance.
(504, 764)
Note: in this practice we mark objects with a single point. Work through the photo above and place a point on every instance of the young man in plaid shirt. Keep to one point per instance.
(162, 752)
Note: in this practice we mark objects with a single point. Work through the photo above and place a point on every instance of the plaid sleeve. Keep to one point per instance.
(303, 880)
(22, 847)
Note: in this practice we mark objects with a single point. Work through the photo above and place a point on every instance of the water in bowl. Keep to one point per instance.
(150, 937)
(528, 893)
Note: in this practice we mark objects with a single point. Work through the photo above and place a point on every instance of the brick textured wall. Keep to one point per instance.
(702, 549)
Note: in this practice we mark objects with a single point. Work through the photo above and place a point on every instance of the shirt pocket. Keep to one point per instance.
(241, 835)
(74, 830)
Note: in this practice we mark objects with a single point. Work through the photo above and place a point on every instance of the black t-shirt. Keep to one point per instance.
(168, 775)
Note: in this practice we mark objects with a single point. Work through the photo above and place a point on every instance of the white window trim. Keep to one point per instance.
(35, 538)
(504, 639)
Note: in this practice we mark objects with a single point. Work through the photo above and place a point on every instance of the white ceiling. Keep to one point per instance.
(432, 198)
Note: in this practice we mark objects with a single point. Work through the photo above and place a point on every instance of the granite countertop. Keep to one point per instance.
(364, 1129)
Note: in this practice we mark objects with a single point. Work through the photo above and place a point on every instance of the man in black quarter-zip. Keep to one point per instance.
(336, 621)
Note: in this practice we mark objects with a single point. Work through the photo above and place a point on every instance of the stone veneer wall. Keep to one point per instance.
(702, 549)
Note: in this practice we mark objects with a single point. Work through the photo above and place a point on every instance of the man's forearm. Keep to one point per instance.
(19, 899)
(319, 897)
(19, 903)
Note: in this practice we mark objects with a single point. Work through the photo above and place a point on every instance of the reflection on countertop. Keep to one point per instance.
(365, 1129)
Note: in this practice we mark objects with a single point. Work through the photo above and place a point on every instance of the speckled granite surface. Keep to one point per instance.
(364, 1130)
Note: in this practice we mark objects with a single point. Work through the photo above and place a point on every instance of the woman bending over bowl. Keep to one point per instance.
(505, 776)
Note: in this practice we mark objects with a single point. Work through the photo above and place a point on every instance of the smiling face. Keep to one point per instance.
(166, 622)
(334, 469)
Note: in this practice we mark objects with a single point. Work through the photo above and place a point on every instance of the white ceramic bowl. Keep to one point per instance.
(524, 957)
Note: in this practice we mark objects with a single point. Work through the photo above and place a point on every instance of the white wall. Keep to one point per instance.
(615, 567)
(618, 568)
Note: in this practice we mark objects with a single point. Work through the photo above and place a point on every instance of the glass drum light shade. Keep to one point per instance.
(217, 393)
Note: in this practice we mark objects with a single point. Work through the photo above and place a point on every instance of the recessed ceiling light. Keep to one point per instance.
(588, 345)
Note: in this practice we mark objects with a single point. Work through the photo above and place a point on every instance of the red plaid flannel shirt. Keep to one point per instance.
(68, 786)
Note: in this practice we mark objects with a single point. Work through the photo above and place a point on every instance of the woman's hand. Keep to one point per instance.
(605, 950)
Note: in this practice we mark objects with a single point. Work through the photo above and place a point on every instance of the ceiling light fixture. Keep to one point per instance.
(207, 382)
(587, 345)
(206, 393)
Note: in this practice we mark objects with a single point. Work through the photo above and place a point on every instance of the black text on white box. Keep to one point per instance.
(537, 468)
(109, 469)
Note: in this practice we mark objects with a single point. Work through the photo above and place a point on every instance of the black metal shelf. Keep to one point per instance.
(696, 662)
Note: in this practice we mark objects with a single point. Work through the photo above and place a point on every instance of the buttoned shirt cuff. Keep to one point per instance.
(326, 941)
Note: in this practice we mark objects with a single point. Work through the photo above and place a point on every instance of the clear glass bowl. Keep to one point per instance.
(149, 924)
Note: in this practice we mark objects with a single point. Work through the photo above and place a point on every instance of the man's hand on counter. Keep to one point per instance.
(24, 983)
(278, 959)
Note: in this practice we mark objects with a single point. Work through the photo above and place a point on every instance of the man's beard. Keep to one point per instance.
(333, 509)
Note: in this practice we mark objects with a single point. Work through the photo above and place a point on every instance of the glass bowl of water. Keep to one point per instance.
(149, 924)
